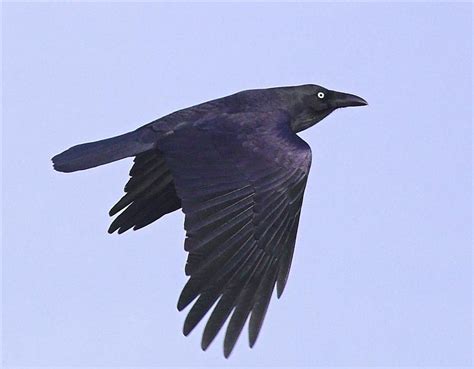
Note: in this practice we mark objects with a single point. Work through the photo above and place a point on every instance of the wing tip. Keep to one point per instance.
(181, 305)
(187, 329)
(227, 351)
(205, 342)
(253, 335)
(112, 229)
(280, 289)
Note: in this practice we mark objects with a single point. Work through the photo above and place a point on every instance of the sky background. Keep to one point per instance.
(382, 273)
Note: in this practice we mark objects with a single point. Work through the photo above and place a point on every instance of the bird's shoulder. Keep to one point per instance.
(265, 135)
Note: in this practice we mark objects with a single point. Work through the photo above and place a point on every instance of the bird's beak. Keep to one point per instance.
(342, 100)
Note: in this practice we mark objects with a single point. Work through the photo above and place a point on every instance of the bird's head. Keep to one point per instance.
(309, 104)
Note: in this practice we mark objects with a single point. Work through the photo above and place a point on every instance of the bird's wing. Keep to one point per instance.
(149, 194)
(241, 179)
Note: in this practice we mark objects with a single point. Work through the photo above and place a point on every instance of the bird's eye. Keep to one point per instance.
(321, 95)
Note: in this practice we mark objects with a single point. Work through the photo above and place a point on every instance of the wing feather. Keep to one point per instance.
(241, 193)
(150, 194)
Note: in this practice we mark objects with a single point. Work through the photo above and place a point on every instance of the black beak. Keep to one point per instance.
(342, 100)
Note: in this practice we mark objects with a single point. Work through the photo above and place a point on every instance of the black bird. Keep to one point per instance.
(238, 170)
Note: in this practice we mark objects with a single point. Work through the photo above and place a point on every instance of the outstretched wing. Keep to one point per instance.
(241, 179)
(150, 194)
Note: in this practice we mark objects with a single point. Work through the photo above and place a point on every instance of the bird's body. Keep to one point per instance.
(238, 170)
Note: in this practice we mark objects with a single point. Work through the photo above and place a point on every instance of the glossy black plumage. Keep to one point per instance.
(238, 170)
(236, 246)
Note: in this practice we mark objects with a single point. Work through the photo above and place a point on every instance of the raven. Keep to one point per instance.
(237, 168)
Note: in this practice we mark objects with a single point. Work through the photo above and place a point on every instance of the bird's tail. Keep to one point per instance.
(97, 153)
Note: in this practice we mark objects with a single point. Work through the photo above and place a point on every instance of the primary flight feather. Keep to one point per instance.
(238, 170)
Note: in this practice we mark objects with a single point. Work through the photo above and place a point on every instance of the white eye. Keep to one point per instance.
(321, 95)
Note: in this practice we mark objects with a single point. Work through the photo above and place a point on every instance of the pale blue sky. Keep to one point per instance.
(382, 273)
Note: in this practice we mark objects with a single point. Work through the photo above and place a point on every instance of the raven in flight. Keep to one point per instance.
(237, 168)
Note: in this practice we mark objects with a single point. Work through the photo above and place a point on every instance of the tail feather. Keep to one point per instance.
(101, 152)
